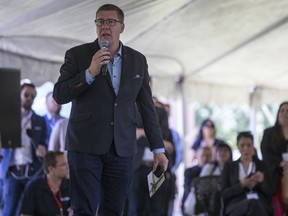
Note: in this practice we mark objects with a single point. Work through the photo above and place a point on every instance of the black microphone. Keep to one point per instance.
(104, 44)
(29, 132)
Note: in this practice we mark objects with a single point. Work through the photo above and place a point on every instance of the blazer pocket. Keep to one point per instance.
(81, 117)
(138, 77)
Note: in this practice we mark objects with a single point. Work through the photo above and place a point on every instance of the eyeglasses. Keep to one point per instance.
(109, 22)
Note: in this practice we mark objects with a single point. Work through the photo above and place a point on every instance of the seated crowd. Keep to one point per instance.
(36, 181)
(247, 185)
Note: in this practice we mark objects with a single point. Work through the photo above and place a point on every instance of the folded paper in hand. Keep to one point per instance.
(154, 182)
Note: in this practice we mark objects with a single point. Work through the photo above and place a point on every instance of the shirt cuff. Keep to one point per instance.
(89, 78)
(159, 150)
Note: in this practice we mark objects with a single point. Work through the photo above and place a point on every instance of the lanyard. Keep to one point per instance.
(57, 198)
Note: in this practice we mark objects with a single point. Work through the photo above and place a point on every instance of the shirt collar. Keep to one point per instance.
(28, 116)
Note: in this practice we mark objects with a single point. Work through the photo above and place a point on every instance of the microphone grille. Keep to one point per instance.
(104, 43)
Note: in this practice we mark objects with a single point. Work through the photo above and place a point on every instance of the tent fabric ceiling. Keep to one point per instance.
(219, 50)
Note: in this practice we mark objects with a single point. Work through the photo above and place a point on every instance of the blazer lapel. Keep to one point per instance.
(125, 72)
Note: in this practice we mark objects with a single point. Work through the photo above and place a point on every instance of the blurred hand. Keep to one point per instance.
(248, 182)
(140, 133)
(284, 165)
(40, 151)
(70, 211)
(258, 177)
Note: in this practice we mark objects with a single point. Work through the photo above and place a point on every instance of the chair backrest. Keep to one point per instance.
(207, 191)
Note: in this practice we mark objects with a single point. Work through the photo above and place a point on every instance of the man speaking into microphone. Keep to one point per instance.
(101, 134)
(104, 44)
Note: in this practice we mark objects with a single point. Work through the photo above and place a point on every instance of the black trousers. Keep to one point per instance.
(139, 201)
(99, 183)
(249, 207)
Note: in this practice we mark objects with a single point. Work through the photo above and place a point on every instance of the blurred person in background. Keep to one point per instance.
(206, 136)
(143, 165)
(49, 195)
(246, 183)
(52, 115)
(273, 145)
(177, 157)
(223, 155)
(22, 164)
(211, 204)
(58, 136)
(203, 156)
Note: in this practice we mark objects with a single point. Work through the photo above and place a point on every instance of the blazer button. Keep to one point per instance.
(115, 104)
(112, 123)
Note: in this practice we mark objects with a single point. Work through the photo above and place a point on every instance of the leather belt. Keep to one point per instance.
(18, 167)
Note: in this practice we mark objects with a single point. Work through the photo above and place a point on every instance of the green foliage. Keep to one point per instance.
(231, 119)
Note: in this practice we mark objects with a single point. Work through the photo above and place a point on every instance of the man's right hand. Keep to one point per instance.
(100, 58)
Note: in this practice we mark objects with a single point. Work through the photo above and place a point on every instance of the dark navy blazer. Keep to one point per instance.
(97, 115)
(39, 137)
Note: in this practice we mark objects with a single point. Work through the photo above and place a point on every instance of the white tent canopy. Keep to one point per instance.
(219, 50)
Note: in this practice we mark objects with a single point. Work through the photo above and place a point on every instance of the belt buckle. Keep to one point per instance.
(20, 167)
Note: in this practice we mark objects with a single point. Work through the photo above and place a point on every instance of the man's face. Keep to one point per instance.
(108, 32)
(27, 97)
(61, 169)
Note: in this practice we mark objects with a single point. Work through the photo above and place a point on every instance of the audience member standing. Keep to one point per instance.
(49, 195)
(24, 163)
(143, 165)
(246, 182)
(58, 136)
(101, 133)
(274, 143)
(52, 115)
(177, 157)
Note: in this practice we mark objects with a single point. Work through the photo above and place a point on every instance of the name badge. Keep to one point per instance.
(252, 195)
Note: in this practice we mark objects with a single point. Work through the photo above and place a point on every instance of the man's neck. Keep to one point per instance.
(54, 182)
(114, 49)
(25, 112)
(53, 115)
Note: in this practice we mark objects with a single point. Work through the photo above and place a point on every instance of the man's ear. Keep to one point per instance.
(123, 27)
(50, 169)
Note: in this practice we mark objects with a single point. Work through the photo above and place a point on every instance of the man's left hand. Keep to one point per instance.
(160, 159)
